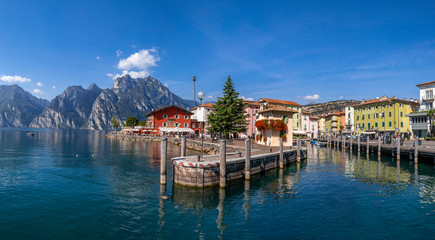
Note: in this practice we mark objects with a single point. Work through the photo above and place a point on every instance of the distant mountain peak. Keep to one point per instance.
(93, 87)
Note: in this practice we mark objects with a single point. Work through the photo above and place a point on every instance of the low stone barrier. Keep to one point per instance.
(189, 172)
(136, 138)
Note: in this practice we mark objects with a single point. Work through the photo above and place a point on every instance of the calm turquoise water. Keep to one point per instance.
(78, 185)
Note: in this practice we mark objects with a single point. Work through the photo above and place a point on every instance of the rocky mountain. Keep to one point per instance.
(321, 108)
(71, 109)
(94, 108)
(131, 97)
(18, 107)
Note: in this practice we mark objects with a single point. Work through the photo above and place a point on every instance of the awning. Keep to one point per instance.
(368, 133)
(299, 133)
(176, 130)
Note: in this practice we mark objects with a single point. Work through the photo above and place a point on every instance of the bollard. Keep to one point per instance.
(247, 159)
(163, 159)
(223, 158)
(368, 145)
(298, 156)
(359, 143)
(379, 146)
(398, 148)
(183, 146)
(416, 151)
(281, 153)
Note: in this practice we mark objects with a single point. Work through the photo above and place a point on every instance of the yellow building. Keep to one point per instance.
(383, 115)
(322, 125)
(332, 123)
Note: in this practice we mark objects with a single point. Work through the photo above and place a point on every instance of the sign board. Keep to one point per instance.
(362, 128)
(397, 129)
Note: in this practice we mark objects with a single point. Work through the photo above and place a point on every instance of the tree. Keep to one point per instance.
(142, 123)
(131, 122)
(229, 115)
(115, 123)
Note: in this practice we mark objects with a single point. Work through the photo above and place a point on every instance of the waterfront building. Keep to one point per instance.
(297, 116)
(314, 127)
(419, 119)
(332, 123)
(275, 122)
(342, 122)
(170, 120)
(252, 108)
(384, 115)
(349, 119)
(200, 118)
(322, 129)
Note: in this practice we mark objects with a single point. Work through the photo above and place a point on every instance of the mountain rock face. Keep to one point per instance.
(321, 108)
(70, 109)
(131, 97)
(94, 108)
(18, 107)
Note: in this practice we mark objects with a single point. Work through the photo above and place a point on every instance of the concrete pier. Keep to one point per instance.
(247, 159)
(223, 161)
(163, 159)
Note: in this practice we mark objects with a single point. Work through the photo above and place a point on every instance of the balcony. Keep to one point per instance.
(428, 99)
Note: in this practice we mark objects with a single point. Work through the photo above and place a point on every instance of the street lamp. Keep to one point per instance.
(201, 96)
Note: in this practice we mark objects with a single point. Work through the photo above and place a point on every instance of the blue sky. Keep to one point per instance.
(294, 50)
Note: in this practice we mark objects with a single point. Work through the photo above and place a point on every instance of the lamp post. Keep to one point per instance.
(201, 96)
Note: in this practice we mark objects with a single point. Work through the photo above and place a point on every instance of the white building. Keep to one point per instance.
(200, 116)
(349, 112)
(419, 120)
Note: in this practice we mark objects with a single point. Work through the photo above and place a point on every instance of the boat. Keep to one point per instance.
(321, 144)
(30, 134)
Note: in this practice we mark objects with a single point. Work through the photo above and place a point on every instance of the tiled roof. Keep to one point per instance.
(283, 102)
(422, 84)
(205, 105)
(161, 109)
(278, 109)
(251, 103)
(383, 100)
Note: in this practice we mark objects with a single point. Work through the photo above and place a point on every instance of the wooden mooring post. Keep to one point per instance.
(183, 146)
(223, 162)
(398, 148)
(416, 151)
(163, 159)
(379, 146)
(298, 152)
(359, 143)
(368, 145)
(281, 153)
(247, 159)
(350, 144)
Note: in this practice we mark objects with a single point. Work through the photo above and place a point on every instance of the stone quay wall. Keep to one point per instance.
(136, 138)
(205, 174)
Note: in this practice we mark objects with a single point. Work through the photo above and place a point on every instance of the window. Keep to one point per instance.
(383, 124)
(357, 117)
(376, 124)
(401, 105)
(368, 116)
(401, 114)
(305, 126)
(401, 124)
(348, 115)
(312, 127)
(389, 124)
(177, 124)
(177, 116)
(363, 125)
(193, 125)
(186, 125)
(390, 105)
(363, 117)
(305, 117)
(165, 116)
(389, 114)
(165, 124)
(186, 117)
(383, 105)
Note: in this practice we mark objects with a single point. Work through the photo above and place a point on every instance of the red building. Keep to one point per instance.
(170, 120)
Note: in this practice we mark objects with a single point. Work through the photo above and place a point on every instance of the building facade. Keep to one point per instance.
(349, 119)
(419, 119)
(270, 135)
(251, 109)
(297, 116)
(170, 120)
(200, 118)
(332, 123)
(383, 115)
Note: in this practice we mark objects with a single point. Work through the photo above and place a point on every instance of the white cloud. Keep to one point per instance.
(247, 99)
(137, 65)
(39, 84)
(37, 91)
(312, 97)
(166, 84)
(98, 58)
(54, 87)
(341, 97)
(118, 53)
(211, 97)
(14, 79)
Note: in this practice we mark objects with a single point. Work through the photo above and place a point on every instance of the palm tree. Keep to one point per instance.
(430, 113)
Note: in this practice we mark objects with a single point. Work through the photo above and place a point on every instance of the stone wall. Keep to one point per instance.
(205, 174)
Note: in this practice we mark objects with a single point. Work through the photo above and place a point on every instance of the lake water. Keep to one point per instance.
(78, 185)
